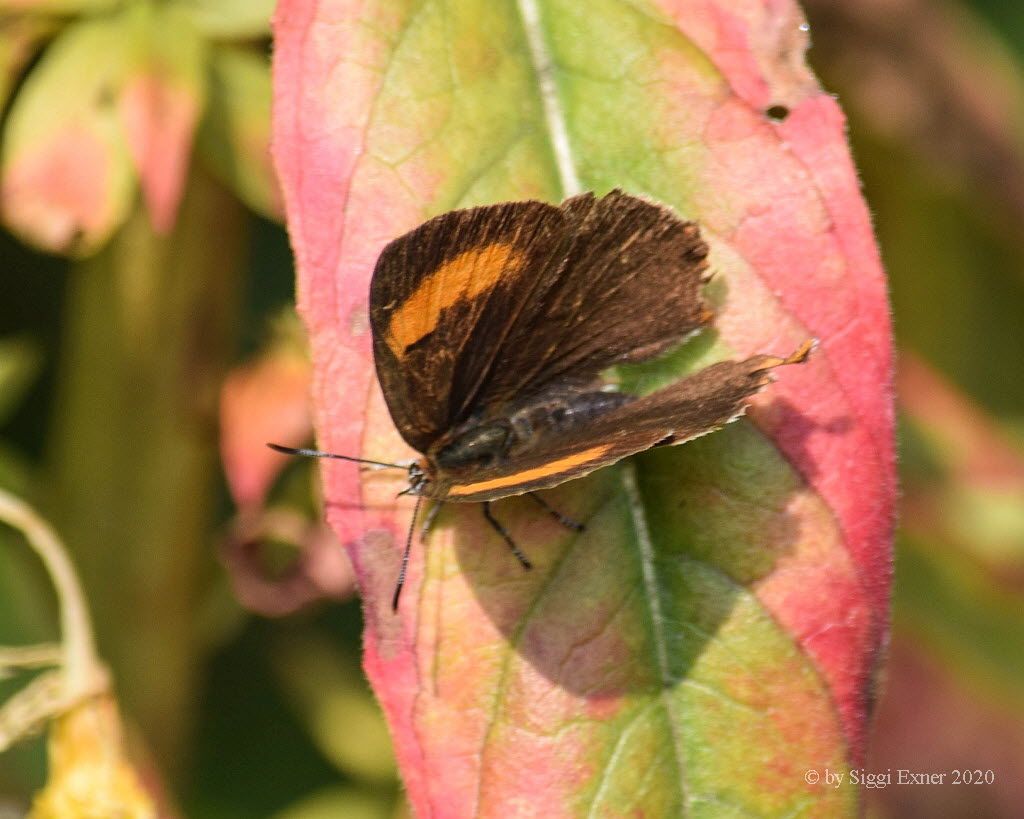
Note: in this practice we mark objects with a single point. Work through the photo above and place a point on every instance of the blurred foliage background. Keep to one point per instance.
(147, 350)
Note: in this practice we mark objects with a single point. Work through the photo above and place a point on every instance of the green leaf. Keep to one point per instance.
(230, 18)
(57, 6)
(234, 138)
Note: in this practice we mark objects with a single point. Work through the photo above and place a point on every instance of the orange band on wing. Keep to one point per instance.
(465, 277)
(527, 475)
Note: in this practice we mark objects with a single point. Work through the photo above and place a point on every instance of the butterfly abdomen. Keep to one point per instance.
(483, 443)
(559, 413)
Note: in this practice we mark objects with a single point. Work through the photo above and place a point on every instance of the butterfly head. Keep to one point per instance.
(419, 478)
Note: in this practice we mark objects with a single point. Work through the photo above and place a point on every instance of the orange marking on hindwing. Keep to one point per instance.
(552, 468)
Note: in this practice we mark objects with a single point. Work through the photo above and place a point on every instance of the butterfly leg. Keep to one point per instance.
(501, 530)
(429, 518)
(568, 523)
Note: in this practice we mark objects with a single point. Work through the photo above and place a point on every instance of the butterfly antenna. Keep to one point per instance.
(405, 556)
(316, 453)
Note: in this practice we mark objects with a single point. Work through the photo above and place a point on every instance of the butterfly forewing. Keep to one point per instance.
(442, 298)
(628, 288)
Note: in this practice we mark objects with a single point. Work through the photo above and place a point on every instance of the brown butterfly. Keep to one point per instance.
(491, 326)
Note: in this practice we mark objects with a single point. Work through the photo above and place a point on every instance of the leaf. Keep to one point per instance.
(160, 104)
(234, 137)
(56, 6)
(974, 501)
(963, 525)
(20, 37)
(266, 399)
(715, 631)
(953, 101)
(230, 18)
(108, 95)
(67, 179)
(937, 129)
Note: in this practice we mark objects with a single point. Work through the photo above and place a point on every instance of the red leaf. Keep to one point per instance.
(715, 632)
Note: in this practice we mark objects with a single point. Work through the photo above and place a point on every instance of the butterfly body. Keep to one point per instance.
(488, 446)
(491, 327)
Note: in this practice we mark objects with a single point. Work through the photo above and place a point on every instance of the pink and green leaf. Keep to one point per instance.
(67, 178)
(716, 630)
(112, 100)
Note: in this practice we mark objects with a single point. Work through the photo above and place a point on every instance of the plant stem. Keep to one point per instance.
(81, 665)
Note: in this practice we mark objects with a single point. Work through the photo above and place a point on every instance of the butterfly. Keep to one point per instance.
(492, 325)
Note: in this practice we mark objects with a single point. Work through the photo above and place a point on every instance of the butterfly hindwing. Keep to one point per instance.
(692, 407)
